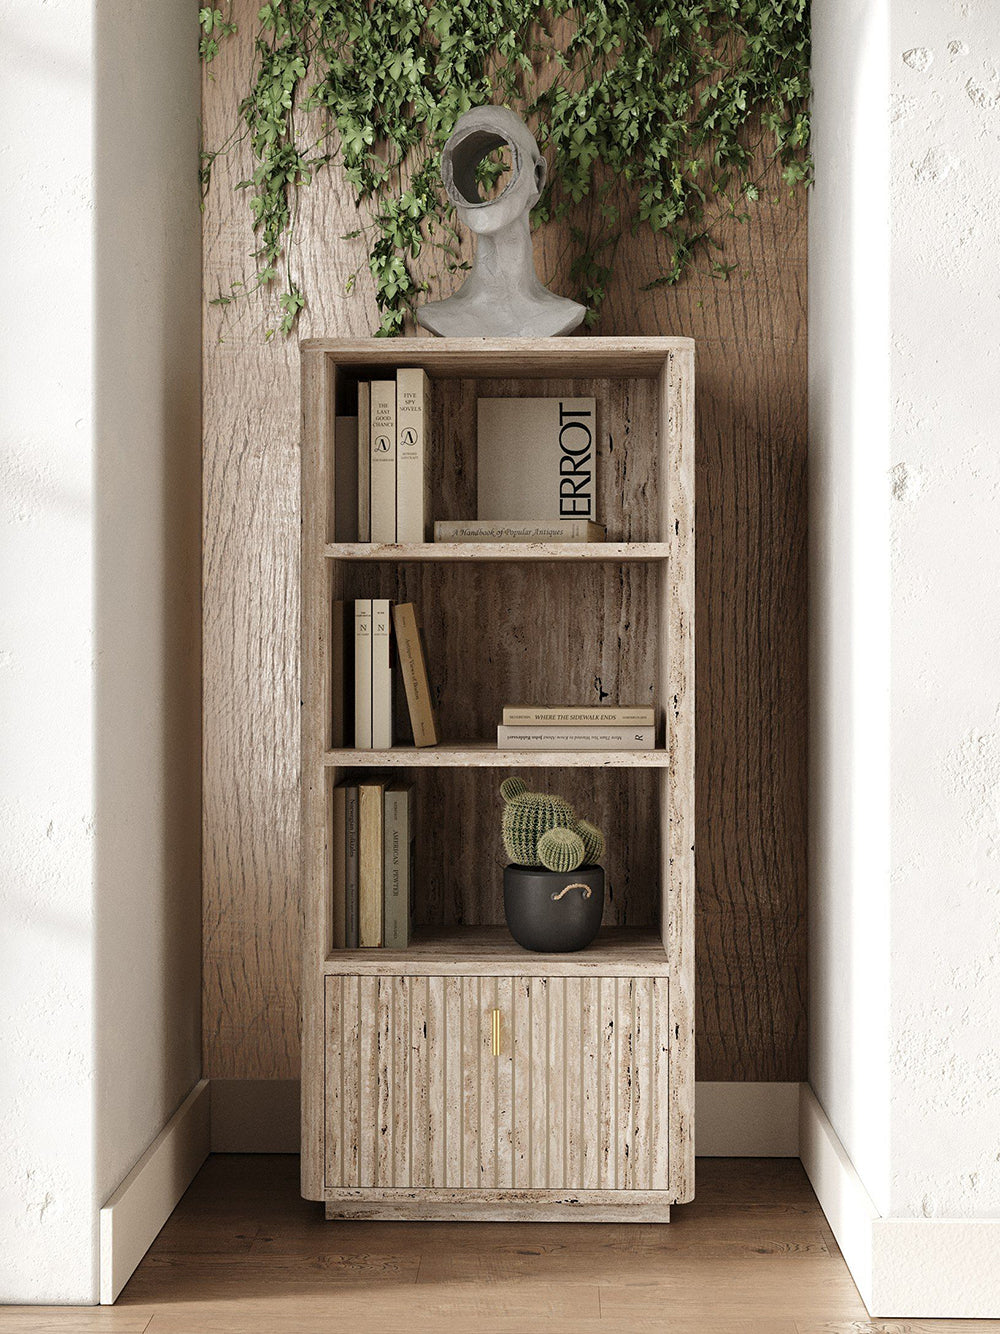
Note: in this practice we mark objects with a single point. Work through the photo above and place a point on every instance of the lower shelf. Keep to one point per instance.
(489, 951)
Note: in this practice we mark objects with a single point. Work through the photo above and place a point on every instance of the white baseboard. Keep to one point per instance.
(146, 1198)
(905, 1268)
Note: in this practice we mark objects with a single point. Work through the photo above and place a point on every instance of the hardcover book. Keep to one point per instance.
(337, 854)
(519, 530)
(364, 463)
(413, 414)
(576, 738)
(527, 715)
(371, 863)
(383, 461)
(363, 674)
(353, 851)
(381, 687)
(345, 495)
(413, 669)
(342, 674)
(398, 873)
(537, 456)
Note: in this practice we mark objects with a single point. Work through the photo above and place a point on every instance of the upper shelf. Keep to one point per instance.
(487, 551)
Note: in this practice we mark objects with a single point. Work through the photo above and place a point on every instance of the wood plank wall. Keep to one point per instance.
(751, 611)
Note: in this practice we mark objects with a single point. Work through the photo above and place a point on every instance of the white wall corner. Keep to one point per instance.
(138, 1209)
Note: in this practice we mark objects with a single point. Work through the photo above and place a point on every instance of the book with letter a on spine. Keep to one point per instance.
(413, 413)
(537, 456)
(383, 461)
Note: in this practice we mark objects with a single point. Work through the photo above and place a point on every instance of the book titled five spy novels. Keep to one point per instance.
(413, 411)
(383, 460)
(575, 738)
(519, 530)
(614, 715)
(537, 456)
(398, 847)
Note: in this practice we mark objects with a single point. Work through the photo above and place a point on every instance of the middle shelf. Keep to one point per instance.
(485, 755)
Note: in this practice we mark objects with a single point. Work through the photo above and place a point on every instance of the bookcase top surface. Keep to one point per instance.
(510, 356)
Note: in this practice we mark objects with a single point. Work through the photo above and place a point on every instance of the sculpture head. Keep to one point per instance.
(475, 136)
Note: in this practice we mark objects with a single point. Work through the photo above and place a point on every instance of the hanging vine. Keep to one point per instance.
(658, 113)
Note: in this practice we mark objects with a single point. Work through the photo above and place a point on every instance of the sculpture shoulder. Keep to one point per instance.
(458, 318)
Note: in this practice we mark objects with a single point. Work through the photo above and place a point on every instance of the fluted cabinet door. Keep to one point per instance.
(495, 1083)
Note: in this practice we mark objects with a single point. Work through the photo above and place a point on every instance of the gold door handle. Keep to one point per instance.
(496, 1032)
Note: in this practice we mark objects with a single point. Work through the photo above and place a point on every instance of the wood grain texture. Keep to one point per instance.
(750, 810)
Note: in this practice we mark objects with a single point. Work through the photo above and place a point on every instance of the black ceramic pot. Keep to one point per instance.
(553, 911)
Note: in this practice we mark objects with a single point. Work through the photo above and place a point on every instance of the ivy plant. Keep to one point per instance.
(664, 114)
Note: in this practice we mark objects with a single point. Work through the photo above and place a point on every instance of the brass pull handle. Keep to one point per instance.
(587, 891)
(496, 1032)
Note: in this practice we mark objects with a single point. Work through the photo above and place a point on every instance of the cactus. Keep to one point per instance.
(542, 830)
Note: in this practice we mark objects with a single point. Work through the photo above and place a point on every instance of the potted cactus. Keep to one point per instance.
(553, 889)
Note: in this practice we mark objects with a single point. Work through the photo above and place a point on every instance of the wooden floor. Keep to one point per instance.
(242, 1254)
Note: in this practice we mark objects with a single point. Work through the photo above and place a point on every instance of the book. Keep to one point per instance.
(363, 674)
(537, 456)
(371, 862)
(342, 674)
(337, 864)
(519, 530)
(381, 686)
(363, 467)
(352, 859)
(398, 873)
(616, 715)
(383, 461)
(413, 415)
(345, 479)
(576, 738)
(413, 670)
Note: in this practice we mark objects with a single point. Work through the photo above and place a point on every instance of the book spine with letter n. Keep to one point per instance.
(381, 676)
(398, 874)
(413, 412)
(371, 864)
(383, 460)
(363, 674)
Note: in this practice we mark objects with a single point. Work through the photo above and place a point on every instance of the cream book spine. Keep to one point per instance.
(413, 414)
(363, 674)
(381, 676)
(618, 715)
(383, 461)
(364, 464)
(413, 669)
(371, 867)
(576, 738)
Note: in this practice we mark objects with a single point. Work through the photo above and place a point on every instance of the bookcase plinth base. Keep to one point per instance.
(515, 1206)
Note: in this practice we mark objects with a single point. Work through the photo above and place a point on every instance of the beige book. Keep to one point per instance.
(371, 867)
(337, 857)
(364, 464)
(345, 480)
(383, 461)
(616, 715)
(519, 530)
(413, 669)
(398, 873)
(381, 676)
(537, 456)
(363, 674)
(413, 415)
(576, 738)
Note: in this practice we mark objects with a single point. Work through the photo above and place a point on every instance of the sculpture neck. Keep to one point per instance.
(505, 262)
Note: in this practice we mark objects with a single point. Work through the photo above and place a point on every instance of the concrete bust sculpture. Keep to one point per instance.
(502, 296)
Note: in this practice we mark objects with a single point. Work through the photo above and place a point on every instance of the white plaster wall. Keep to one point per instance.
(98, 656)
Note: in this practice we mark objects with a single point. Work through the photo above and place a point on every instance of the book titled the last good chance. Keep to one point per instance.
(537, 456)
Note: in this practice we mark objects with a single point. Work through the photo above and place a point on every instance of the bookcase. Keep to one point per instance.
(466, 1077)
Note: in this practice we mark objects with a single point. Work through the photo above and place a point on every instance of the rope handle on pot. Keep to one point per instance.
(587, 891)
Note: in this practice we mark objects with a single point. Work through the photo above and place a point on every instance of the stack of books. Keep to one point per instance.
(374, 642)
(371, 856)
(526, 727)
(382, 462)
(535, 456)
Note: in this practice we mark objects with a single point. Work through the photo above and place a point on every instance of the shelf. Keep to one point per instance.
(489, 951)
(490, 551)
(484, 754)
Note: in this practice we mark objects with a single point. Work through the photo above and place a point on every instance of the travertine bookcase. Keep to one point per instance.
(465, 1076)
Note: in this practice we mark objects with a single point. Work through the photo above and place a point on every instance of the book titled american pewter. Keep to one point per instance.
(537, 456)
(398, 875)
(518, 530)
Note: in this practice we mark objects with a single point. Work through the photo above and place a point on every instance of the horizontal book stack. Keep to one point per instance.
(526, 727)
(374, 643)
(382, 462)
(371, 864)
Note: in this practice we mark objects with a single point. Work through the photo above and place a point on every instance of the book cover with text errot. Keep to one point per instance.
(537, 458)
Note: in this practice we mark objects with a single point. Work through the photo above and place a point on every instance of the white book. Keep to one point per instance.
(363, 674)
(585, 715)
(576, 738)
(383, 461)
(398, 878)
(537, 456)
(519, 530)
(413, 414)
(381, 678)
(364, 464)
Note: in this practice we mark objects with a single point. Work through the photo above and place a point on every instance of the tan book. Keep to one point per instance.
(537, 456)
(381, 676)
(371, 863)
(616, 715)
(383, 461)
(364, 463)
(363, 674)
(398, 873)
(413, 415)
(345, 480)
(519, 530)
(337, 860)
(413, 669)
(576, 738)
